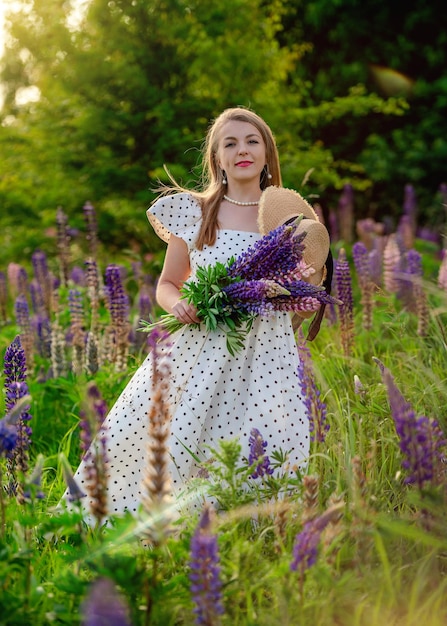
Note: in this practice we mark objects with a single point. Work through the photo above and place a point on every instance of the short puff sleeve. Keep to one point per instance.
(179, 214)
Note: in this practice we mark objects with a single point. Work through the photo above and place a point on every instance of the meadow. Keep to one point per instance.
(357, 537)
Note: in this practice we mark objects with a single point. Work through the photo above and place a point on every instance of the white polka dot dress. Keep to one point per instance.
(214, 395)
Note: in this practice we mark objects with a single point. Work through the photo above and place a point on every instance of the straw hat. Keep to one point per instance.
(279, 205)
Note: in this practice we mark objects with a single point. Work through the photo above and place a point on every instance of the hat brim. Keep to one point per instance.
(279, 205)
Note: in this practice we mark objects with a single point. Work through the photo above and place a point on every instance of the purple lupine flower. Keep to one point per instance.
(315, 407)
(422, 441)
(37, 299)
(275, 256)
(43, 276)
(14, 362)
(362, 264)
(305, 549)
(117, 298)
(77, 276)
(22, 313)
(104, 606)
(343, 283)
(257, 455)
(264, 296)
(8, 437)
(17, 388)
(407, 279)
(118, 305)
(206, 586)
(94, 446)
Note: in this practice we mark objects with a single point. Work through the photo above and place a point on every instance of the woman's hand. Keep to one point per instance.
(185, 313)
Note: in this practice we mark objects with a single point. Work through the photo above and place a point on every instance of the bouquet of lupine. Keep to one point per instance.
(267, 277)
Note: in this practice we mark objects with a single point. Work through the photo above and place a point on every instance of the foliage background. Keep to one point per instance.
(93, 109)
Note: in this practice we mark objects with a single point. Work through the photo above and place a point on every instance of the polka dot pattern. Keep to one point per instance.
(213, 395)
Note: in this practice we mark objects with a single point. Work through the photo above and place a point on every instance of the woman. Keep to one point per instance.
(213, 394)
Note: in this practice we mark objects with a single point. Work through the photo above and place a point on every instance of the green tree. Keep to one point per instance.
(135, 86)
(393, 49)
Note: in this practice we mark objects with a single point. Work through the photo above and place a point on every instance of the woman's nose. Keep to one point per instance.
(242, 149)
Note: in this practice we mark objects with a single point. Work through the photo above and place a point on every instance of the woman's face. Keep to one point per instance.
(241, 151)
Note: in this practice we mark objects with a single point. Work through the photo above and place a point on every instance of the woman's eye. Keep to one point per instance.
(253, 141)
(229, 144)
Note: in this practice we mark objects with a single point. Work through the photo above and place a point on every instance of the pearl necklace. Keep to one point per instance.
(254, 203)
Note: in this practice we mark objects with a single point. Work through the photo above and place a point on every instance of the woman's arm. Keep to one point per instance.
(176, 269)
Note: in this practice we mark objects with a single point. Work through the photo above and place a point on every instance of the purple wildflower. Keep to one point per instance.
(205, 580)
(43, 277)
(275, 256)
(362, 262)
(257, 455)
(422, 441)
(36, 294)
(343, 283)
(407, 279)
(23, 319)
(315, 407)
(77, 276)
(104, 606)
(94, 445)
(8, 437)
(118, 304)
(22, 314)
(305, 549)
(16, 390)
(16, 386)
(116, 296)
(14, 362)
(264, 296)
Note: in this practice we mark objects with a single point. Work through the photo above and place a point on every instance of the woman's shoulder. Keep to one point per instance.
(178, 213)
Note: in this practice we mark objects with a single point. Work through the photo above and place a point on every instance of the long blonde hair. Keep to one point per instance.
(212, 189)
